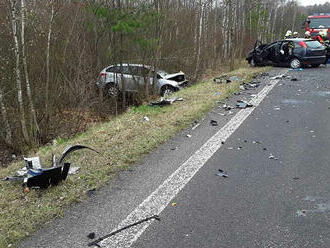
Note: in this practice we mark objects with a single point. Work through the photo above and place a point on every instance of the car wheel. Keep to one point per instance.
(315, 65)
(111, 90)
(167, 90)
(295, 63)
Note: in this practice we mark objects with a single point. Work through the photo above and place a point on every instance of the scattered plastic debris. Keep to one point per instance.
(91, 192)
(214, 123)
(301, 213)
(263, 74)
(279, 77)
(146, 118)
(96, 242)
(271, 156)
(253, 85)
(91, 235)
(217, 93)
(196, 126)
(222, 79)
(163, 101)
(277, 108)
(221, 173)
(226, 107)
(174, 204)
(189, 135)
(34, 176)
(242, 104)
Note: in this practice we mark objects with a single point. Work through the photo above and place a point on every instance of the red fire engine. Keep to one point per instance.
(318, 22)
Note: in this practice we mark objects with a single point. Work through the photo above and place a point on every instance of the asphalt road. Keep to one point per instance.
(277, 192)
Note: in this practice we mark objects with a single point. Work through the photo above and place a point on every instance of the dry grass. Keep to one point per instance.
(121, 141)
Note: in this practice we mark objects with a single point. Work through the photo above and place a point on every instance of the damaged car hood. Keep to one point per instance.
(174, 76)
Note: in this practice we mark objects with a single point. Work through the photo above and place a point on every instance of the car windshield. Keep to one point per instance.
(313, 44)
(162, 73)
(319, 23)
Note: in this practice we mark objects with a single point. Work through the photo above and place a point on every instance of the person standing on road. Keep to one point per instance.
(295, 35)
(308, 35)
(288, 34)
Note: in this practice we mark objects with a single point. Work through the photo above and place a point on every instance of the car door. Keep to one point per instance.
(141, 77)
(124, 78)
(274, 52)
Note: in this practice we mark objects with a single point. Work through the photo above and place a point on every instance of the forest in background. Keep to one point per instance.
(53, 50)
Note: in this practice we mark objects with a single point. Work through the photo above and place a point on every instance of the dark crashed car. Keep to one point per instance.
(294, 53)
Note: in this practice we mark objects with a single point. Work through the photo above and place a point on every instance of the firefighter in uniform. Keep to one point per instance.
(319, 38)
(288, 35)
(295, 35)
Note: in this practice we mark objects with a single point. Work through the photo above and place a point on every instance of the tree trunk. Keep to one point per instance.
(8, 135)
(199, 39)
(18, 73)
(47, 103)
(33, 119)
(274, 23)
(294, 17)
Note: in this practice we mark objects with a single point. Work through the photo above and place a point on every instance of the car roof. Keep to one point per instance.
(296, 39)
(126, 64)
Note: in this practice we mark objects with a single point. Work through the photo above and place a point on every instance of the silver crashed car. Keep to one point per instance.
(135, 76)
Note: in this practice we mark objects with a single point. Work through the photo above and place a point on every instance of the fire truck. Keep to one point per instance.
(318, 22)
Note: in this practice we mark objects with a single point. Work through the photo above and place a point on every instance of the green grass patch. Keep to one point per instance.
(122, 141)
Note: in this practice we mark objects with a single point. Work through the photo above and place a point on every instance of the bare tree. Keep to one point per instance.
(18, 71)
(8, 132)
(33, 119)
(49, 36)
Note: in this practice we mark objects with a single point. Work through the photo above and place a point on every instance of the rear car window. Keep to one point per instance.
(114, 69)
(313, 44)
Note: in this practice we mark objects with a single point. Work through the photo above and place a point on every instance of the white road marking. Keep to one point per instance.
(162, 196)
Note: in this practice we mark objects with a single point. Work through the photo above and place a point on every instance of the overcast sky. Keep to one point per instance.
(312, 2)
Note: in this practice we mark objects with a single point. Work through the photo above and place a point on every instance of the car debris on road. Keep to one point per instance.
(271, 156)
(226, 107)
(97, 241)
(34, 176)
(214, 123)
(243, 105)
(221, 173)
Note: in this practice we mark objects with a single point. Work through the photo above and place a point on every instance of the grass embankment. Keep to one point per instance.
(122, 141)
